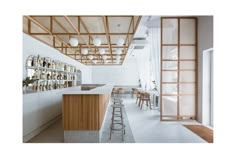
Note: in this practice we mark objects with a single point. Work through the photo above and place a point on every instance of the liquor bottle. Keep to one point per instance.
(49, 65)
(53, 65)
(44, 62)
(48, 76)
(38, 60)
(32, 62)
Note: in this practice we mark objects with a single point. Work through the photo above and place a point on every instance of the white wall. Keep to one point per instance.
(32, 46)
(40, 109)
(205, 41)
(127, 74)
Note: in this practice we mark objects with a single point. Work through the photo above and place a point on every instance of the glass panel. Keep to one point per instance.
(187, 31)
(187, 76)
(169, 65)
(187, 105)
(187, 52)
(170, 31)
(169, 88)
(169, 76)
(169, 105)
(187, 88)
(187, 65)
(169, 52)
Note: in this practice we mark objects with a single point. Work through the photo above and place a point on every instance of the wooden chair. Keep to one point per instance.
(138, 99)
(145, 97)
(134, 92)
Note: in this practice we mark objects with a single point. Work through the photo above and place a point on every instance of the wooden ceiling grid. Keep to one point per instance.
(56, 31)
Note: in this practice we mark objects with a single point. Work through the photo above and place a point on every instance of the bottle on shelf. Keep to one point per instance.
(32, 62)
(48, 76)
(53, 65)
(44, 62)
(39, 61)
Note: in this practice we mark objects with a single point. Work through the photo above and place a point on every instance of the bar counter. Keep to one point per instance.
(83, 112)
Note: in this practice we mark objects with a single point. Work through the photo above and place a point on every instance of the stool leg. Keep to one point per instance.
(112, 121)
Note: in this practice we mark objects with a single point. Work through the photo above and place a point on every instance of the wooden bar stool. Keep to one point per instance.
(117, 120)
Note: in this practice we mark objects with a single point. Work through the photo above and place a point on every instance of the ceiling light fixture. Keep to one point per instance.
(104, 57)
(84, 51)
(120, 41)
(74, 42)
(106, 61)
(118, 51)
(97, 41)
(102, 51)
(95, 61)
(90, 57)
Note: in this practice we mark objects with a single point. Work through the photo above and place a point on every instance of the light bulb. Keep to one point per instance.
(84, 51)
(118, 51)
(102, 51)
(104, 57)
(97, 41)
(120, 41)
(90, 57)
(74, 41)
(95, 61)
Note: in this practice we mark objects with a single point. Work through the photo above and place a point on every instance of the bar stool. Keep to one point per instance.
(117, 120)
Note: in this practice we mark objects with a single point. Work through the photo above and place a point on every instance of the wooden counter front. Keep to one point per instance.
(84, 111)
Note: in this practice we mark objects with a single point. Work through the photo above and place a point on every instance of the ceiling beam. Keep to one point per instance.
(69, 33)
(135, 29)
(86, 29)
(45, 29)
(92, 46)
(131, 21)
(105, 22)
(72, 25)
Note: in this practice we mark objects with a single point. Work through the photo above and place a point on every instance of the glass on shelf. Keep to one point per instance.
(29, 61)
(57, 64)
(62, 66)
(53, 64)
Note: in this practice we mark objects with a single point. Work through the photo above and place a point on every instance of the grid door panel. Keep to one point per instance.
(178, 68)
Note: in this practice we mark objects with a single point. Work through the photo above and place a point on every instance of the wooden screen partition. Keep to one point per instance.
(84, 111)
(178, 68)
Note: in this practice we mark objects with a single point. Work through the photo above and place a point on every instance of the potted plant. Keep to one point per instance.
(26, 82)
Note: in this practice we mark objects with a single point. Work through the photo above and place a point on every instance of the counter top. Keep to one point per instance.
(105, 89)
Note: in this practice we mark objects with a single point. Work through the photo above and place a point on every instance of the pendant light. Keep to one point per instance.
(102, 51)
(84, 51)
(104, 57)
(97, 41)
(118, 57)
(118, 51)
(74, 42)
(90, 57)
(120, 41)
(117, 61)
(105, 61)
(95, 61)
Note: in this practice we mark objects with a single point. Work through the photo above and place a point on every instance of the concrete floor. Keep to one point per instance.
(142, 126)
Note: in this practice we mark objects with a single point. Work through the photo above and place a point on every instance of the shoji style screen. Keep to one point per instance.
(178, 68)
